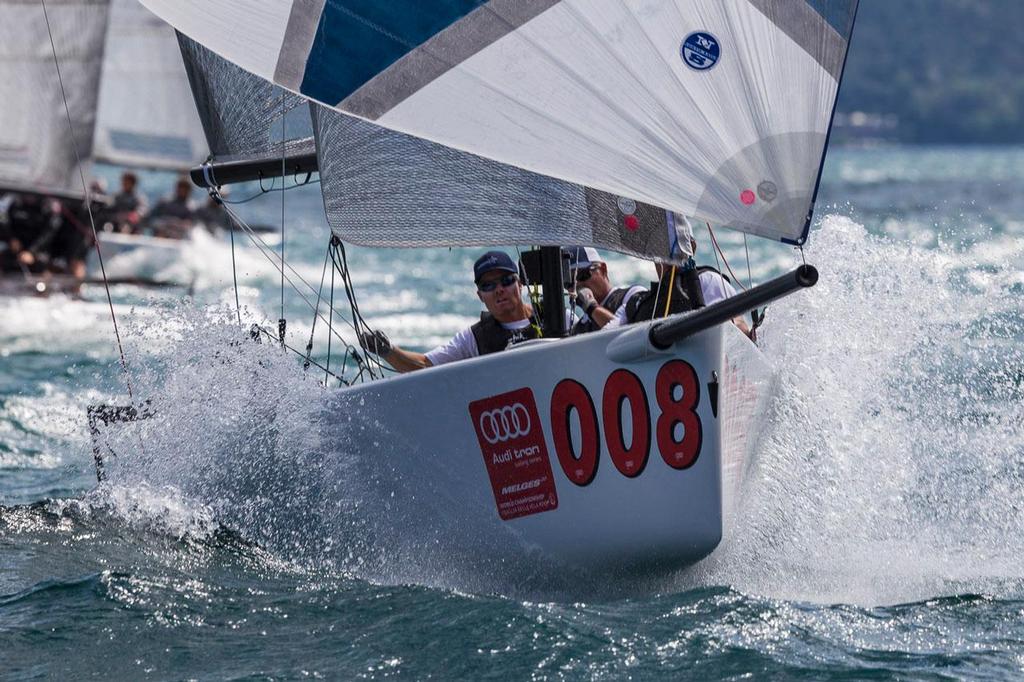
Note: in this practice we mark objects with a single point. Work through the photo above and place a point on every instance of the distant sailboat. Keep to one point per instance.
(552, 122)
(126, 92)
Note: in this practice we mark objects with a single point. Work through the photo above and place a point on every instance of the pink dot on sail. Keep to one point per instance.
(632, 223)
(747, 197)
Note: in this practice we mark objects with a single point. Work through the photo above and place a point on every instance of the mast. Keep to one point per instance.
(552, 282)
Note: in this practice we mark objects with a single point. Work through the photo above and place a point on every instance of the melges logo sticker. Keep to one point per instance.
(700, 50)
(512, 443)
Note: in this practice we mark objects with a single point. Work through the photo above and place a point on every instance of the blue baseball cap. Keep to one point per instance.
(493, 260)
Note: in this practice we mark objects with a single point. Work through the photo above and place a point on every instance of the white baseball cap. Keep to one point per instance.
(583, 257)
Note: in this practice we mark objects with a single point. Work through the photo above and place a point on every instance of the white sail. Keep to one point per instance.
(718, 109)
(36, 151)
(146, 115)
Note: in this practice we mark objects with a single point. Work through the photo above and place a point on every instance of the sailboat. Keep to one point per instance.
(128, 99)
(146, 120)
(548, 122)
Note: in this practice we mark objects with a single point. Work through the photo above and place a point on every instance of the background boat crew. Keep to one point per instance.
(506, 321)
(174, 216)
(33, 223)
(127, 206)
(594, 293)
(212, 214)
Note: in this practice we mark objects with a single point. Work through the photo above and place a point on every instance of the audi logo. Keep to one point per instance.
(505, 423)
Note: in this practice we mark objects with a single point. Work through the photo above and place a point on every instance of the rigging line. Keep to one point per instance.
(267, 252)
(350, 291)
(657, 291)
(298, 352)
(234, 270)
(714, 242)
(284, 171)
(668, 299)
(339, 248)
(268, 191)
(750, 279)
(671, 254)
(721, 274)
(344, 363)
(330, 315)
(316, 312)
(273, 181)
(534, 296)
(802, 256)
(88, 204)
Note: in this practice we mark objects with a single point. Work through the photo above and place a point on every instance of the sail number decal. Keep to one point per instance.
(624, 403)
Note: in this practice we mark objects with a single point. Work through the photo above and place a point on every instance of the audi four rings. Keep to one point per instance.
(505, 423)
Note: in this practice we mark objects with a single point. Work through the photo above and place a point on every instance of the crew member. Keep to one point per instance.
(174, 216)
(715, 287)
(128, 206)
(506, 321)
(31, 227)
(594, 294)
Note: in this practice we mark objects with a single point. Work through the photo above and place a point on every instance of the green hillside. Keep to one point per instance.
(946, 71)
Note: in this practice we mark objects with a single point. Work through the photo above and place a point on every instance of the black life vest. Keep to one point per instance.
(491, 337)
(612, 302)
(686, 296)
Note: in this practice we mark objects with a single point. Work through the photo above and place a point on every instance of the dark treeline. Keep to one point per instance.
(934, 71)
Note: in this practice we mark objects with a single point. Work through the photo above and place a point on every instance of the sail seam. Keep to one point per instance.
(809, 30)
(303, 23)
(441, 53)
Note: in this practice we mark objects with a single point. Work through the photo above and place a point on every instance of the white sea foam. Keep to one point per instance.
(163, 510)
(891, 469)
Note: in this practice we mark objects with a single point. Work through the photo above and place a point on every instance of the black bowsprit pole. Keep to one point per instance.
(664, 334)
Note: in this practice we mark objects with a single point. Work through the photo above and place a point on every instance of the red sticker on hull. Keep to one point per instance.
(512, 443)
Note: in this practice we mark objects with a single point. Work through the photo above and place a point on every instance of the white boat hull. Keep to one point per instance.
(138, 257)
(453, 484)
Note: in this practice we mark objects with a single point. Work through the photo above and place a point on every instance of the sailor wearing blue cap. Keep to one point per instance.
(505, 322)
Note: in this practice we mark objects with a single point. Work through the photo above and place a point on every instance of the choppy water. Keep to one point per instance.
(881, 535)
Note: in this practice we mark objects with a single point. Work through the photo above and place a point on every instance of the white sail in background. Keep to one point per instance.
(717, 109)
(36, 152)
(146, 116)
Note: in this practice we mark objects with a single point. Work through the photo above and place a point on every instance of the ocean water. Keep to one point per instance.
(880, 535)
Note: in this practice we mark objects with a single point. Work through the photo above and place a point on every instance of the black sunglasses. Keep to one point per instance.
(584, 275)
(506, 281)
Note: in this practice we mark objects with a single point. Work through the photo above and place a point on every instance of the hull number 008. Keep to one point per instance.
(676, 394)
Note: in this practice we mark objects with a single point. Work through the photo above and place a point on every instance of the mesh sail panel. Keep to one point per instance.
(383, 188)
(240, 112)
(36, 151)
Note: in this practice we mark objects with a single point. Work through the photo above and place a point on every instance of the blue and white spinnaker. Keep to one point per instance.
(716, 109)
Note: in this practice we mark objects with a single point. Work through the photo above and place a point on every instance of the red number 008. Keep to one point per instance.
(677, 393)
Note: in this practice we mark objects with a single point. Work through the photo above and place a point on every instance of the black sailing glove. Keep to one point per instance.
(585, 300)
(375, 342)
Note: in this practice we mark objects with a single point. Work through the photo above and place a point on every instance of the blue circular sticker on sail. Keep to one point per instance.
(700, 50)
